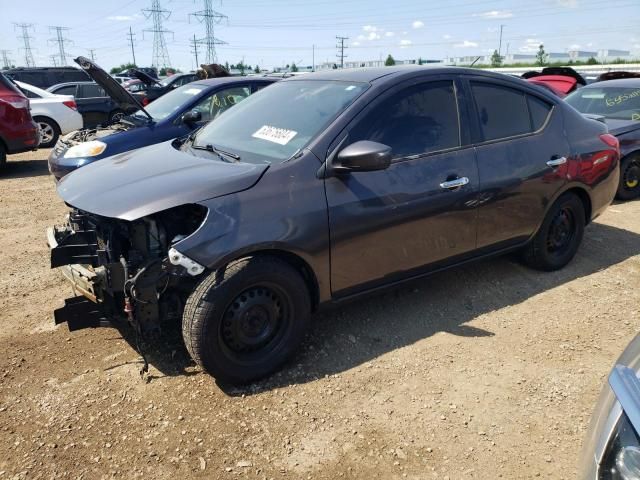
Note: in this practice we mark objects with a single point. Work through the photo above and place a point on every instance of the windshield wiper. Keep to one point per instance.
(221, 153)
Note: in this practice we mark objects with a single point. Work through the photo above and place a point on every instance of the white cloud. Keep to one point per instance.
(355, 44)
(446, 36)
(389, 34)
(361, 37)
(405, 43)
(417, 24)
(494, 14)
(121, 18)
(531, 45)
(465, 44)
(575, 46)
(373, 36)
(404, 33)
(568, 3)
(370, 28)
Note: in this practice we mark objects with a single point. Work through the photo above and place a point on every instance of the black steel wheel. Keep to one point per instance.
(629, 187)
(241, 323)
(559, 236)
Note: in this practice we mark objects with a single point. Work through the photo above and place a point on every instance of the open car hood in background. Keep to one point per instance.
(557, 82)
(144, 78)
(110, 85)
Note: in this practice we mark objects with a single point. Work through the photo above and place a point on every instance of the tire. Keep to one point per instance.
(241, 323)
(115, 116)
(629, 187)
(559, 236)
(49, 130)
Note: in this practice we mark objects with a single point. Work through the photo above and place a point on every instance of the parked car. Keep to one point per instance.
(618, 103)
(561, 80)
(55, 114)
(134, 85)
(122, 80)
(322, 188)
(176, 114)
(45, 77)
(95, 105)
(18, 131)
(611, 448)
(157, 88)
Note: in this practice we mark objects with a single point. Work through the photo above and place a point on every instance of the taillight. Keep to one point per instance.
(145, 101)
(17, 102)
(611, 140)
(71, 104)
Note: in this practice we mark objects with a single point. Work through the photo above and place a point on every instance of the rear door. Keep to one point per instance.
(521, 150)
(94, 104)
(391, 224)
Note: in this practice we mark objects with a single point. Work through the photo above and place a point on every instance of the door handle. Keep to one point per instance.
(557, 161)
(455, 183)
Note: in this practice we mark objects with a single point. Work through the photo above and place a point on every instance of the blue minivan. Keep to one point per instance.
(173, 115)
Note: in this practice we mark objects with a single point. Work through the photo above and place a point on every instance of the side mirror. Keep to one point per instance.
(363, 156)
(191, 117)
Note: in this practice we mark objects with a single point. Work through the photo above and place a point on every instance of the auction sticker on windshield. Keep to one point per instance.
(281, 136)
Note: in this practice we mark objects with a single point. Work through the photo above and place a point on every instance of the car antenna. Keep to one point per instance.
(474, 62)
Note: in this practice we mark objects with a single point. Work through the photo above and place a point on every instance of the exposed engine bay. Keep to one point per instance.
(126, 270)
(88, 134)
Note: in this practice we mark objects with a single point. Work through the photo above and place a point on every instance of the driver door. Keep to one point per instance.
(395, 223)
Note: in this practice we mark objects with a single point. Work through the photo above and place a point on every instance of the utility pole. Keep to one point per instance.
(341, 47)
(130, 39)
(210, 18)
(28, 54)
(313, 56)
(160, 52)
(91, 54)
(500, 44)
(6, 63)
(194, 46)
(60, 40)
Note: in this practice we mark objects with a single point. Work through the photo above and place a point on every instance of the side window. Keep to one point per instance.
(29, 94)
(502, 111)
(259, 86)
(92, 91)
(539, 110)
(220, 101)
(68, 90)
(417, 120)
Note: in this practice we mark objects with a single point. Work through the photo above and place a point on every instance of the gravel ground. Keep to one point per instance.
(489, 370)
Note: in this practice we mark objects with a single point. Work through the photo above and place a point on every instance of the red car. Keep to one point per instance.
(18, 131)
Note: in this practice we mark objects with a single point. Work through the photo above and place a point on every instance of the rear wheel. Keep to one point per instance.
(629, 187)
(244, 321)
(49, 131)
(559, 237)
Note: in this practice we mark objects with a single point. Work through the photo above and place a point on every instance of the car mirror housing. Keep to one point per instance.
(363, 156)
(191, 117)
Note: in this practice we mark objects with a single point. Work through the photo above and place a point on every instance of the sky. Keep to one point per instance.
(273, 33)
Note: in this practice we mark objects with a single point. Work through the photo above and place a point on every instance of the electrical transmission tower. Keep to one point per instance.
(6, 61)
(341, 48)
(91, 54)
(131, 39)
(194, 49)
(210, 18)
(60, 40)
(28, 54)
(160, 52)
(54, 60)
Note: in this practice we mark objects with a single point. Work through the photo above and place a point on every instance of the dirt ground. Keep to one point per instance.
(485, 371)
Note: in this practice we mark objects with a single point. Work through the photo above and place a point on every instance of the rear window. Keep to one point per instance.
(610, 102)
(539, 111)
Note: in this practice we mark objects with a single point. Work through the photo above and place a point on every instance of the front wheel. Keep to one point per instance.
(559, 237)
(629, 187)
(244, 321)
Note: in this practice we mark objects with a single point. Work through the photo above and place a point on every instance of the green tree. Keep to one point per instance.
(226, 65)
(294, 68)
(420, 61)
(496, 59)
(592, 61)
(124, 66)
(541, 56)
(257, 69)
(390, 61)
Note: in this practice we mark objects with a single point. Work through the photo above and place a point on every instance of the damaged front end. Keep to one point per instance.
(125, 271)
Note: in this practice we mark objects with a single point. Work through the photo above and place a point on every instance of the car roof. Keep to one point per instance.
(369, 75)
(66, 84)
(621, 82)
(212, 82)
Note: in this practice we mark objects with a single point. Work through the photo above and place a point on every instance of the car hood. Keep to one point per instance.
(123, 98)
(134, 184)
(619, 126)
(144, 78)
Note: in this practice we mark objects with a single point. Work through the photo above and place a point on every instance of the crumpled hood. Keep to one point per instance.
(134, 184)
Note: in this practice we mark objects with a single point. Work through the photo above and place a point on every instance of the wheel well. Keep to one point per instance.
(586, 202)
(299, 264)
(44, 117)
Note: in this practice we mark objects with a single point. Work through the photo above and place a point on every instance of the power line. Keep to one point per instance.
(210, 18)
(6, 62)
(28, 54)
(131, 39)
(341, 48)
(160, 52)
(60, 40)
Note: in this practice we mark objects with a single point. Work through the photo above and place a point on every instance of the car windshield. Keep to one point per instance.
(275, 123)
(610, 102)
(166, 81)
(167, 104)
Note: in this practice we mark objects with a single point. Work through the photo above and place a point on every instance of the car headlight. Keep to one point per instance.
(86, 149)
